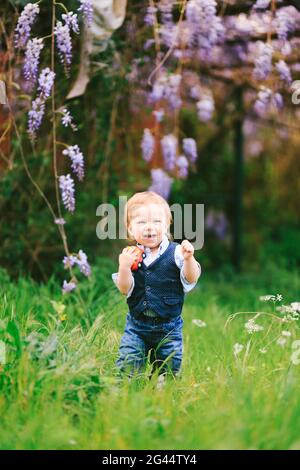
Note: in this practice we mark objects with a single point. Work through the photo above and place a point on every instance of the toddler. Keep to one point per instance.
(155, 292)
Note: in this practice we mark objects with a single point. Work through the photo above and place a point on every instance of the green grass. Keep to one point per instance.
(59, 385)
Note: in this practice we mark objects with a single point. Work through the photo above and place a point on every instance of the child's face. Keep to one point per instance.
(148, 224)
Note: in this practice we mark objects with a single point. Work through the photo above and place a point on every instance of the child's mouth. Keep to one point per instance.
(149, 237)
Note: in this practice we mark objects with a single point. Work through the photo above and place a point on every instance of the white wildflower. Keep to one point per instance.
(263, 350)
(253, 327)
(237, 348)
(199, 323)
(281, 341)
(295, 306)
(286, 333)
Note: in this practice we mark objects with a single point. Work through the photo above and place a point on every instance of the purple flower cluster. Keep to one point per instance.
(35, 115)
(167, 87)
(261, 4)
(150, 15)
(46, 82)
(166, 7)
(285, 23)
(216, 221)
(169, 151)
(183, 166)
(206, 28)
(161, 182)
(68, 286)
(80, 259)
(66, 184)
(32, 57)
(205, 107)
(64, 43)
(69, 261)
(147, 145)
(83, 264)
(71, 21)
(284, 72)
(263, 63)
(77, 159)
(25, 22)
(266, 100)
(67, 120)
(190, 149)
(86, 8)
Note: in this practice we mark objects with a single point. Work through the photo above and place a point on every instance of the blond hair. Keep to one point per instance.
(146, 197)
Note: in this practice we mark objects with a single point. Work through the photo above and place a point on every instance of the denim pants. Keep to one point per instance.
(162, 338)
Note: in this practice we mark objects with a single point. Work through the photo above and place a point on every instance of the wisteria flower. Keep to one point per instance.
(285, 23)
(261, 4)
(190, 149)
(77, 159)
(150, 15)
(68, 286)
(86, 8)
(71, 21)
(205, 107)
(59, 221)
(64, 43)
(182, 165)
(147, 145)
(284, 72)
(67, 120)
(32, 57)
(161, 182)
(205, 27)
(83, 264)
(25, 22)
(66, 184)
(263, 63)
(266, 99)
(69, 261)
(35, 116)
(169, 150)
(46, 81)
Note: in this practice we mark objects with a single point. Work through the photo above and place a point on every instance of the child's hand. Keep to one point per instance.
(128, 257)
(187, 249)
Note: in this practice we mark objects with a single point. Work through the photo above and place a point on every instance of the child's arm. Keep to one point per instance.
(191, 268)
(125, 278)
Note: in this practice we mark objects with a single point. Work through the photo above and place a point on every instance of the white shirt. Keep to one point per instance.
(179, 260)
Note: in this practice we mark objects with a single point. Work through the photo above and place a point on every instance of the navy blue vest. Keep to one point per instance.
(158, 286)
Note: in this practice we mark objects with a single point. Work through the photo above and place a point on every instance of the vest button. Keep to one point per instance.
(147, 288)
(145, 302)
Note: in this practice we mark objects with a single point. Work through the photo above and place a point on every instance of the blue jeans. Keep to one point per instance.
(162, 338)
